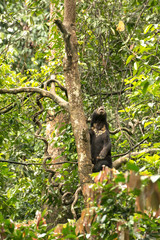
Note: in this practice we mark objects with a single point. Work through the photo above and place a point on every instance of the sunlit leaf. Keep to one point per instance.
(147, 28)
(129, 59)
(136, 66)
(147, 123)
(120, 26)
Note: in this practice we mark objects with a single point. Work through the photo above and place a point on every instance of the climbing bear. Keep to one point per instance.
(100, 140)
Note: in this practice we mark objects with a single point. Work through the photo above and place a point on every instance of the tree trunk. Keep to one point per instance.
(53, 217)
(73, 85)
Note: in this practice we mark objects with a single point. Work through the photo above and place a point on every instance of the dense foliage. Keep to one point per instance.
(119, 63)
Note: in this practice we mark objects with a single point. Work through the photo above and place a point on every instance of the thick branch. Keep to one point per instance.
(74, 202)
(118, 163)
(59, 85)
(62, 28)
(66, 37)
(44, 93)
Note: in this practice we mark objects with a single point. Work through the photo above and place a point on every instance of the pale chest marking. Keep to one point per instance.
(98, 132)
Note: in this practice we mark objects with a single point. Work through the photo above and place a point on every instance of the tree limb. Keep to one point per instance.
(66, 37)
(121, 129)
(59, 85)
(35, 164)
(7, 108)
(131, 148)
(60, 101)
(61, 27)
(118, 163)
(74, 202)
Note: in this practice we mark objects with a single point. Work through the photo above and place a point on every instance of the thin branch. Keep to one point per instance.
(130, 150)
(121, 129)
(60, 101)
(45, 84)
(74, 202)
(36, 164)
(67, 198)
(37, 133)
(109, 94)
(138, 19)
(7, 108)
(12, 105)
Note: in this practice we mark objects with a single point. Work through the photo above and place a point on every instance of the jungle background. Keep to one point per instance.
(119, 57)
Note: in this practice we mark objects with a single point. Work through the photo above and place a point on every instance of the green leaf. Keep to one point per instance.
(120, 178)
(145, 87)
(1, 218)
(136, 66)
(156, 67)
(147, 28)
(147, 123)
(132, 166)
(31, 20)
(71, 236)
(111, 237)
(2, 35)
(129, 59)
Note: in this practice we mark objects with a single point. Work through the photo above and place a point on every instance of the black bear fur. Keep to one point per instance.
(100, 140)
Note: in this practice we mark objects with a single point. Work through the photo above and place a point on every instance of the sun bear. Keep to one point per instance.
(100, 140)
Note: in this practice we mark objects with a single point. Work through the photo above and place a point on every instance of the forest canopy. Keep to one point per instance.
(55, 70)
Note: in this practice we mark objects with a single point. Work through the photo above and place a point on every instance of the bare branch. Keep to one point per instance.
(121, 129)
(74, 202)
(131, 148)
(67, 198)
(60, 101)
(35, 164)
(7, 108)
(59, 85)
(122, 160)
(138, 19)
(110, 93)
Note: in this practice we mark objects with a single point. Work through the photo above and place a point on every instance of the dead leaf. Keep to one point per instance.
(120, 26)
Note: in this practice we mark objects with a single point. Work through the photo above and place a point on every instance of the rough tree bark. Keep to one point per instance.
(53, 126)
(73, 85)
